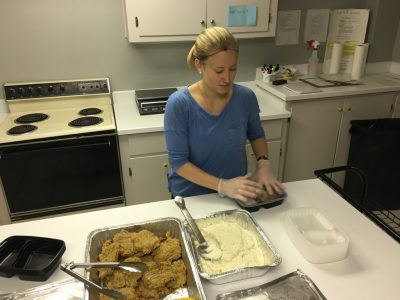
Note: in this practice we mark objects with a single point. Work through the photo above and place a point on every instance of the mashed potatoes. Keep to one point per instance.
(240, 246)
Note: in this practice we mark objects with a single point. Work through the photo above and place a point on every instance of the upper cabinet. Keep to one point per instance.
(182, 20)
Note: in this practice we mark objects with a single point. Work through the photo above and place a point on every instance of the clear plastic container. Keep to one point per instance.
(317, 238)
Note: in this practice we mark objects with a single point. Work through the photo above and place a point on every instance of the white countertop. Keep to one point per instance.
(370, 270)
(374, 83)
(129, 121)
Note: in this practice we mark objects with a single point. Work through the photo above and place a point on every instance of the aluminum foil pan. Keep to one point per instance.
(296, 285)
(244, 218)
(159, 227)
(65, 290)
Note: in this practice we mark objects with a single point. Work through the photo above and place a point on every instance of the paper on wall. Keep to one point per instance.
(316, 27)
(348, 25)
(242, 15)
(288, 26)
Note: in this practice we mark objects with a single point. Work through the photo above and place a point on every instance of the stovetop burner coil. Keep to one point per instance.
(31, 118)
(90, 111)
(20, 129)
(85, 121)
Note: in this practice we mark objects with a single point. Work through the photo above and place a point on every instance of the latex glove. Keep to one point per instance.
(264, 176)
(241, 188)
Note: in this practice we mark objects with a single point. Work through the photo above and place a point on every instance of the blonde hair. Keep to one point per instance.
(211, 41)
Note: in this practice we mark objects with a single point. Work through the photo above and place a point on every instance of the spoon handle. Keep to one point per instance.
(180, 202)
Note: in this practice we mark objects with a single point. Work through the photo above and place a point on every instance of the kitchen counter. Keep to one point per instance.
(370, 270)
(129, 121)
(374, 83)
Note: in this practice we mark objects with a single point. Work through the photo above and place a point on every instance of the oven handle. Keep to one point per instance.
(68, 147)
(74, 138)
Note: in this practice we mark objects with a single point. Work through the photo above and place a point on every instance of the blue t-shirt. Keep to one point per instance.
(215, 144)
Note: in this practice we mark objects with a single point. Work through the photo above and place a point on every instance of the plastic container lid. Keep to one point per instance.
(30, 257)
(317, 238)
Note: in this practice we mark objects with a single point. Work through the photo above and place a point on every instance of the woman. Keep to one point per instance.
(207, 123)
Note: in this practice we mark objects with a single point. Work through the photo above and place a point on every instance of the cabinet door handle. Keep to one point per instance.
(349, 108)
(212, 22)
(130, 172)
(340, 109)
(165, 165)
(202, 22)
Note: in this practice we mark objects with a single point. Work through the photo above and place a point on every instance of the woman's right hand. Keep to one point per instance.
(241, 188)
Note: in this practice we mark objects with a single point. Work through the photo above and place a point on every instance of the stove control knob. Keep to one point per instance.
(50, 88)
(30, 91)
(11, 92)
(39, 90)
(20, 91)
(62, 88)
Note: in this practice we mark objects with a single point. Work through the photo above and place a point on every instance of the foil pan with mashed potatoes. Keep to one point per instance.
(246, 250)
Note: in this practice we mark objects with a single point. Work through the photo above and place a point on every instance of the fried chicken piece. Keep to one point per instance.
(145, 242)
(109, 251)
(121, 278)
(169, 250)
(129, 293)
(165, 277)
(133, 259)
(179, 268)
(124, 241)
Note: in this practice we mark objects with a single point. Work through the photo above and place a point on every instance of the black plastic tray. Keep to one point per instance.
(265, 202)
(30, 257)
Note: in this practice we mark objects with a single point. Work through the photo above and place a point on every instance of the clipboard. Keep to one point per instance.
(317, 82)
(301, 88)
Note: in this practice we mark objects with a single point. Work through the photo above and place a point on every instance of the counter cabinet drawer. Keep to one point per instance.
(273, 129)
(147, 143)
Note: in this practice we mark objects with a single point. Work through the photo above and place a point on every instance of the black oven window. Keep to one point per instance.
(61, 175)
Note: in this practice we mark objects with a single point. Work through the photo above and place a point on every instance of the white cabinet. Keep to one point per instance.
(144, 161)
(182, 20)
(318, 134)
(275, 131)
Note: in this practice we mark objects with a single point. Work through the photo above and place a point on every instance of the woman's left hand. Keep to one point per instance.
(264, 176)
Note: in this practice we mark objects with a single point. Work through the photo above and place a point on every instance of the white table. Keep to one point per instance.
(370, 271)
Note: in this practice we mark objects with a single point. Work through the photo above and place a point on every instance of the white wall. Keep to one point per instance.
(67, 39)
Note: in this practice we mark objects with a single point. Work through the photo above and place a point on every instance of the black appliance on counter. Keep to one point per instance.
(59, 148)
(152, 101)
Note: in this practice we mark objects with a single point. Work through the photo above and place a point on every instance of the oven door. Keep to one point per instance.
(61, 175)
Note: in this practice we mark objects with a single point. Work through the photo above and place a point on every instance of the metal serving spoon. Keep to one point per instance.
(129, 266)
(208, 251)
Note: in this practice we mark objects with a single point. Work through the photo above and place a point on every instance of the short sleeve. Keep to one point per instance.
(176, 120)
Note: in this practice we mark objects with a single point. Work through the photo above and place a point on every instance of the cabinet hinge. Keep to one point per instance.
(392, 108)
(130, 172)
(137, 21)
(269, 18)
(280, 152)
(288, 120)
